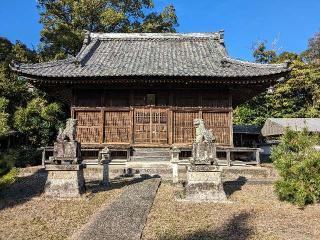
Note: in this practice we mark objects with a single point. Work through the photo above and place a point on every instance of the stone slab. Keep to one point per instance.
(124, 219)
(64, 183)
(64, 167)
(205, 185)
(204, 168)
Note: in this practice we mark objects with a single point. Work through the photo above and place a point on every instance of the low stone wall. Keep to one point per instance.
(95, 172)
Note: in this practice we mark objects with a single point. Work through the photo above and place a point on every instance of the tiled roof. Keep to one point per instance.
(151, 54)
(276, 126)
(247, 129)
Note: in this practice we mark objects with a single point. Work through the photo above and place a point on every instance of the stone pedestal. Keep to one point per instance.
(64, 181)
(66, 152)
(203, 153)
(204, 184)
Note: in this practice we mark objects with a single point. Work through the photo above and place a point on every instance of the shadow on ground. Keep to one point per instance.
(23, 189)
(236, 228)
(28, 187)
(232, 186)
(117, 183)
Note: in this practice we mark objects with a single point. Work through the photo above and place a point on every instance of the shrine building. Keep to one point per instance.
(141, 91)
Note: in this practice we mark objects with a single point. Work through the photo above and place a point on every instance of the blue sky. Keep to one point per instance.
(290, 22)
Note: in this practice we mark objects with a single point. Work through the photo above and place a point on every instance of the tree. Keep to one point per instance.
(18, 105)
(298, 165)
(298, 96)
(38, 121)
(12, 87)
(312, 54)
(4, 127)
(261, 55)
(64, 21)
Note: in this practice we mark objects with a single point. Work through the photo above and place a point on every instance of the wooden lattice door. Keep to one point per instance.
(89, 126)
(220, 124)
(117, 127)
(184, 131)
(151, 126)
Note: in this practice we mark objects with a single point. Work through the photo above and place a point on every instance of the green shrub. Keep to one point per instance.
(298, 165)
(39, 121)
(8, 178)
(21, 156)
(4, 127)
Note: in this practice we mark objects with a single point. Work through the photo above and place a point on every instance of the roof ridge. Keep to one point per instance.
(216, 35)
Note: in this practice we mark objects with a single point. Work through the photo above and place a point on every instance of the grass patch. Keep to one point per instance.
(8, 178)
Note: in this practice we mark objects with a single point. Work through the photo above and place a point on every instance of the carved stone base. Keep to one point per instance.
(66, 152)
(204, 184)
(203, 153)
(64, 181)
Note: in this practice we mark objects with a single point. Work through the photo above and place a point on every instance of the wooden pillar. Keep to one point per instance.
(132, 125)
(102, 125)
(170, 126)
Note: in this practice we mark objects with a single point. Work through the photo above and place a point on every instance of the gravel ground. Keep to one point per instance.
(24, 214)
(255, 214)
(124, 218)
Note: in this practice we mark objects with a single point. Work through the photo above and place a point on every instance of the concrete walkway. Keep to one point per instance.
(125, 218)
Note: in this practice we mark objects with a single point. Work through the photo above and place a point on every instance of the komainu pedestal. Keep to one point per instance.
(204, 184)
(65, 172)
(204, 181)
(65, 181)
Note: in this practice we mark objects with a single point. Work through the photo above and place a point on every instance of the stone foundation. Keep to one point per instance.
(64, 181)
(204, 184)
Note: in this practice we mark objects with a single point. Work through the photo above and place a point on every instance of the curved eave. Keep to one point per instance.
(218, 78)
(159, 79)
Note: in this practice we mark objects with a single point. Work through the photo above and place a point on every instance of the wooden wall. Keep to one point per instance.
(150, 117)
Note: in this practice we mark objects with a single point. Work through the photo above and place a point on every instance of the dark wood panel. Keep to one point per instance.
(183, 129)
(117, 127)
(89, 126)
(149, 125)
(220, 123)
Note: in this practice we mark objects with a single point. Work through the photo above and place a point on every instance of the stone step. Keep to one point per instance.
(153, 153)
(153, 149)
(149, 158)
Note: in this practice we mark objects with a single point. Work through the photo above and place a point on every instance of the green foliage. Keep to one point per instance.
(312, 54)
(254, 112)
(298, 165)
(8, 178)
(38, 121)
(21, 156)
(298, 96)
(4, 127)
(64, 21)
(12, 87)
(262, 55)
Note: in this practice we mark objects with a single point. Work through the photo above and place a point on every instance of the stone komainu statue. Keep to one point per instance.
(69, 132)
(202, 134)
